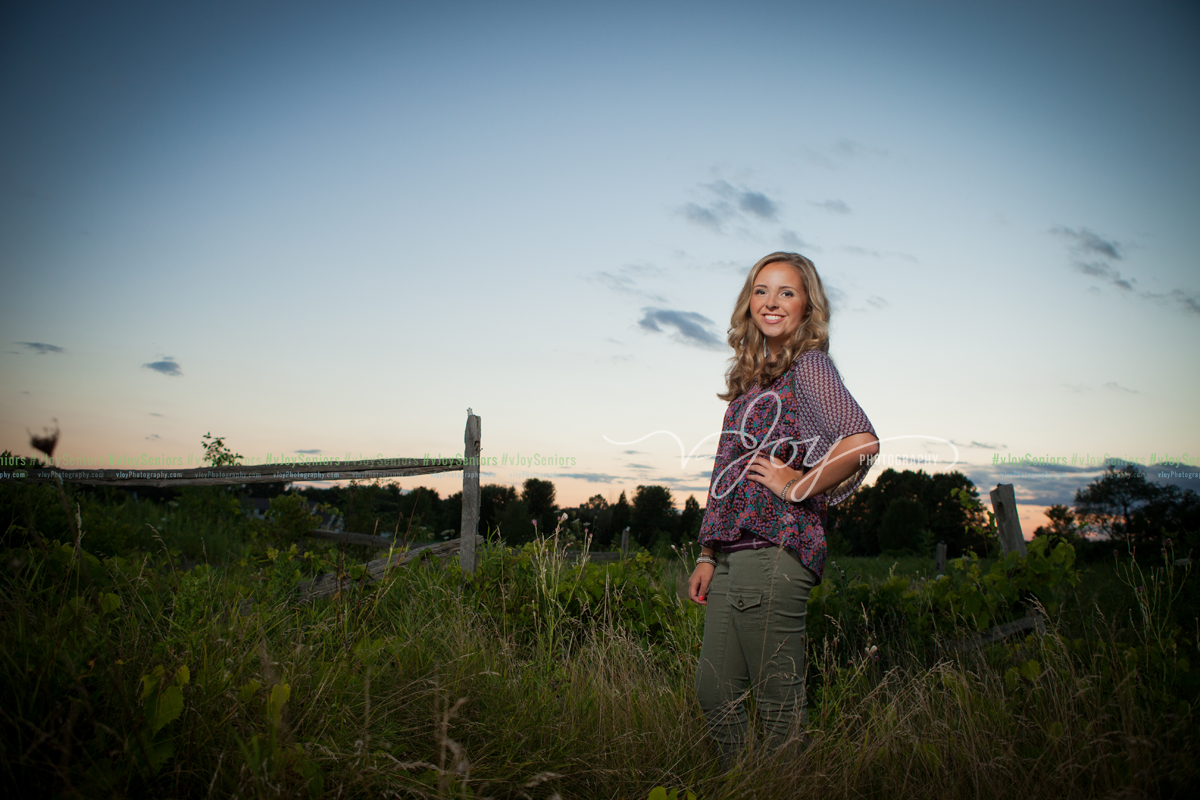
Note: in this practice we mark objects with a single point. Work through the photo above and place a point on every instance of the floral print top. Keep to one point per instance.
(797, 419)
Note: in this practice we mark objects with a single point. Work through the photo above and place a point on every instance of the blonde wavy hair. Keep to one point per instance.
(749, 366)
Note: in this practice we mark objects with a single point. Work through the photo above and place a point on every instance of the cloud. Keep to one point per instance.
(1050, 484)
(167, 366)
(704, 217)
(726, 203)
(832, 206)
(155, 415)
(1189, 302)
(843, 151)
(154, 437)
(623, 282)
(848, 148)
(759, 205)
(1041, 484)
(1086, 241)
(1095, 256)
(837, 298)
(875, 301)
(792, 240)
(308, 452)
(1112, 386)
(863, 251)
(685, 484)
(690, 328)
(41, 348)
(987, 445)
(592, 477)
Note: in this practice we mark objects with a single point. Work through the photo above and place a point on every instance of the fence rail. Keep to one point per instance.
(264, 473)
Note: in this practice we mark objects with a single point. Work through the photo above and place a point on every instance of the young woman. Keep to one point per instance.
(793, 441)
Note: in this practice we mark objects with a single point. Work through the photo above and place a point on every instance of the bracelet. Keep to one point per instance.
(703, 559)
(783, 493)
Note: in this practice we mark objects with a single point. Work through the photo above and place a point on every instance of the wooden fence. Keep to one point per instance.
(295, 473)
(1008, 528)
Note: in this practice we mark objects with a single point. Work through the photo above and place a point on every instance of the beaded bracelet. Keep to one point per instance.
(783, 493)
(702, 559)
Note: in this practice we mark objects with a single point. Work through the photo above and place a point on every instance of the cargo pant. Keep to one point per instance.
(754, 640)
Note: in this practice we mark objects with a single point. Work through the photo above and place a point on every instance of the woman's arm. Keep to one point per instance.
(843, 460)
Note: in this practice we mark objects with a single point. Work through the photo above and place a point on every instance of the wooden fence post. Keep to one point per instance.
(470, 493)
(941, 557)
(1008, 524)
(625, 543)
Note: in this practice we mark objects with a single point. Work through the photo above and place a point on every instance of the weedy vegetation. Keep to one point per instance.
(158, 649)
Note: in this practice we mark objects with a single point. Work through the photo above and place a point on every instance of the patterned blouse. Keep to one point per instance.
(797, 419)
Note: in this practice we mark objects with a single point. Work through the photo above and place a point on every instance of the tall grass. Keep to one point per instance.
(581, 686)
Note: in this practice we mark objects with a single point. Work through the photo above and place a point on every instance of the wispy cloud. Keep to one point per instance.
(832, 206)
(308, 452)
(791, 239)
(688, 327)
(1116, 387)
(723, 203)
(704, 217)
(593, 477)
(1096, 256)
(1089, 244)
(837, 298)
(1187, 302)
(625, 281)
(167, 366)
(843, 152)
(41, 348)
(875, 301)
(865, 251)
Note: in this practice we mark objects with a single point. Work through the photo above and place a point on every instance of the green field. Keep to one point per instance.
(171, 668)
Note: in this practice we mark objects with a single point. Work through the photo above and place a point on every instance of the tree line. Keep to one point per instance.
(518, 515)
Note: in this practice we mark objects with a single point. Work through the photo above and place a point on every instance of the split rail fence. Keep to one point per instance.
(466, 544)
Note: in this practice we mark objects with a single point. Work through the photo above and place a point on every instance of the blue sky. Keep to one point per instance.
(334, 227)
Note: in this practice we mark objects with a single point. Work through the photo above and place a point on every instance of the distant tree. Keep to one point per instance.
(902, 530)
(596, 503)
(1172, 512)
(621, 514)
(515, 523)
(598, 516)
(654, 515)
(1062, 524)
(690, 519)
(1108, 503)
(494, 499)
(418, 509)
(450, 518)
(855, 523)
(539, 500)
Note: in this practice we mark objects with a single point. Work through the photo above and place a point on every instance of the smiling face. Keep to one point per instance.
(778, 303)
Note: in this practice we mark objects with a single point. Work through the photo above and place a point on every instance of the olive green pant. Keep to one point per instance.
(754, 640)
